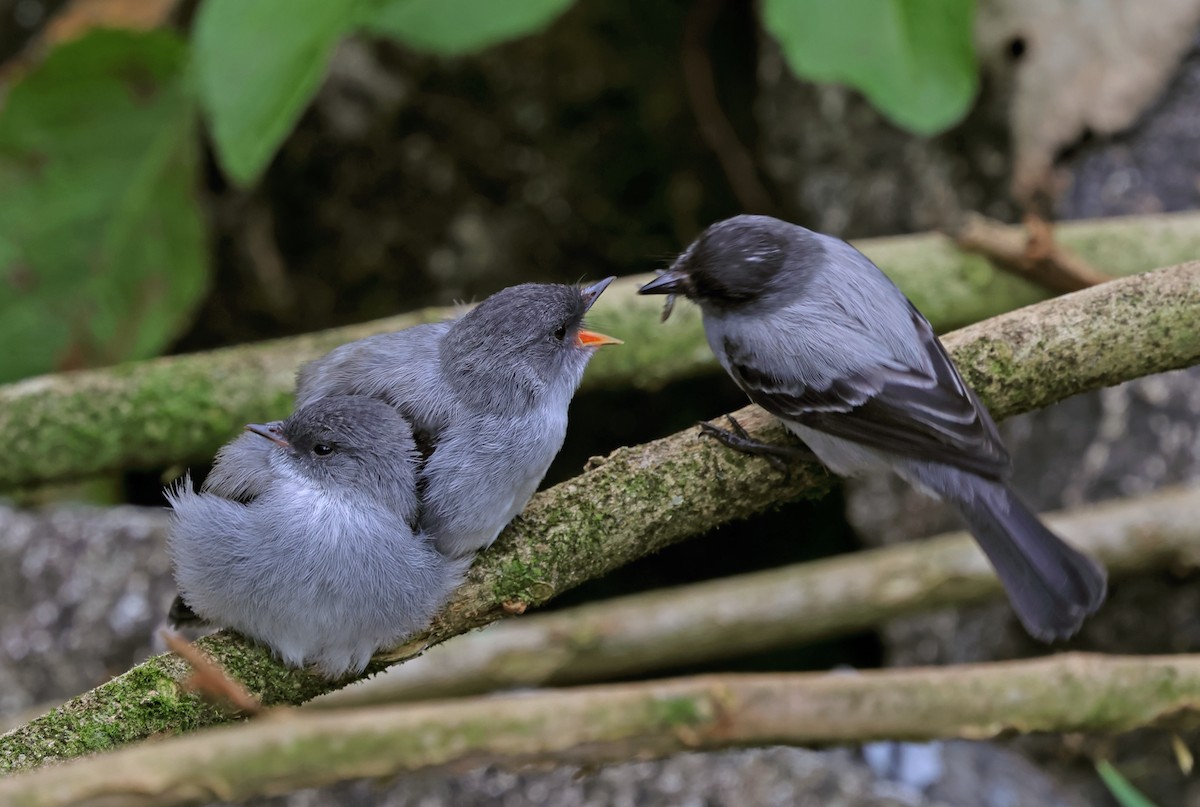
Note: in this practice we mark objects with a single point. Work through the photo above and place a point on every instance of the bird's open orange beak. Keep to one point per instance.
(593, 339)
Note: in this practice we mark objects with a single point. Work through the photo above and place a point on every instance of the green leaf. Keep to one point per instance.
(452, 27)
(103, 254)
(914, 60)
(258, 64)
(1125, 794)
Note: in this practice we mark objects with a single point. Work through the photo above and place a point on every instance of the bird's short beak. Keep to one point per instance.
(670, 282)
(593, 339)
(592, 292)
(271, 431)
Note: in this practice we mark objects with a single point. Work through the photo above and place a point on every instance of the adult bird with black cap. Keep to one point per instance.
(817, 335)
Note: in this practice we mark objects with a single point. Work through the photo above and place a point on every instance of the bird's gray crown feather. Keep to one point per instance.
(521, 334)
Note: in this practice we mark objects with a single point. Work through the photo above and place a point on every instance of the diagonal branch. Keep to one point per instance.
(1065, 693)
(640, 499)
(632, 636)
(179, 408)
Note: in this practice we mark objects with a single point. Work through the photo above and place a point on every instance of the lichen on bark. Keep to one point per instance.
(642, 498)
(181, 408)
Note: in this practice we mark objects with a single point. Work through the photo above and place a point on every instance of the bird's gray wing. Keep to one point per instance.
(927, 414)
(241, 470)
(388, 366)
(401, 368)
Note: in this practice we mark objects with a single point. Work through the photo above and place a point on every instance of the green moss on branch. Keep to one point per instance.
(643, 498)
(1062, 693)
(182, 408)
(631, 636)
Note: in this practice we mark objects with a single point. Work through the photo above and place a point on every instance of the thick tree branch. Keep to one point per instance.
(640, 499)
(180, 408)
(734, 616)
(1064, 693)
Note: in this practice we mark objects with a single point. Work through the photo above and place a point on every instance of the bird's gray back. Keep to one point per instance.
(402, 368)
(872, 326)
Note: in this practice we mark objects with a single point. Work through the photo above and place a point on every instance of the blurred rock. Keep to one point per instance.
(1076, 74)
(969, 774)
(773, 777)
(81, 591)
(839, 167)
(1153, 168)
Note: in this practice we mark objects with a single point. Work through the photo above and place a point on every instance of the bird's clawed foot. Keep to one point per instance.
(740, 440)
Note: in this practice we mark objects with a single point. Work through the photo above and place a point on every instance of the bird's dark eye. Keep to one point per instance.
(561, 333)
(322, 449)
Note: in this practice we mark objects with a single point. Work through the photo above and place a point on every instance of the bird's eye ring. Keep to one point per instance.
(561, 333)
(322, 449)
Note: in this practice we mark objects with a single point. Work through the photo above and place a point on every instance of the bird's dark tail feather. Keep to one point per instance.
(1051, 586)
(181, 614)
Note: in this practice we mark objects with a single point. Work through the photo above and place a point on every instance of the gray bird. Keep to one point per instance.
(818, 336)
(486, 394)
(309, 547)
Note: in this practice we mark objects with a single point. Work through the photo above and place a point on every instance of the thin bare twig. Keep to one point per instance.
(208, 678)
(1038, 257)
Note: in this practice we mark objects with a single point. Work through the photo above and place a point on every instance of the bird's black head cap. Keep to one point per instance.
(734, 262)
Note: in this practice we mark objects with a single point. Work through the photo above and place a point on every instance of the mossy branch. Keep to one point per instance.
(631, 636)
(273, 755)
(640, 499)
(180, 408)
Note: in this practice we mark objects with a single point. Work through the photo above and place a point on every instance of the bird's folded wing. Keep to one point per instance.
(927, 413)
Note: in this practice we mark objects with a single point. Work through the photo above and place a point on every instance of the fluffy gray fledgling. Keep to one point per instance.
(316, 556)
(817, 335)
(487, 395)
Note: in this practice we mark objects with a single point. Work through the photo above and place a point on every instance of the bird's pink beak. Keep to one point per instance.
(271, 431)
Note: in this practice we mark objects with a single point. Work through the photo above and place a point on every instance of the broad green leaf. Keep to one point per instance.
(914, 60)
(1126, 794)
(103, 254)
(452, 27)
(258, 64)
